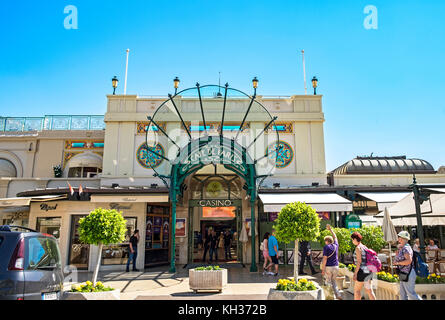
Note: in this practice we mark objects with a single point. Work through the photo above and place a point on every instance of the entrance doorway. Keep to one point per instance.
(216, 242)
(215, 219)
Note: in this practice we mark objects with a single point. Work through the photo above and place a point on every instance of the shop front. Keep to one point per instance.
(148, 213)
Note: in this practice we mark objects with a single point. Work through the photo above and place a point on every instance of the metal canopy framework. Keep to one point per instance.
(203, 128)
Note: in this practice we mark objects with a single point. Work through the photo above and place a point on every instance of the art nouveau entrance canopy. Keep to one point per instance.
(212, 125)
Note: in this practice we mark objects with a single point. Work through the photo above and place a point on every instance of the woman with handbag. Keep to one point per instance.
(362, 274)
(405, 266)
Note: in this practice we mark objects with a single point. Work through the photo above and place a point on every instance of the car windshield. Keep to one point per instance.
(42, 252)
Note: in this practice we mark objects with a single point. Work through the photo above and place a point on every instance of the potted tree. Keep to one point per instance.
(101, 227)
(297, 222)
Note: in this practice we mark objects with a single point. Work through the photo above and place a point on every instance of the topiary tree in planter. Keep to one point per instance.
(297, 222)
(102, 227)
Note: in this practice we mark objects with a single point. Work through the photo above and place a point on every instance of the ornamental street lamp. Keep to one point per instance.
(176, 82)
(114, 83)
(255, 84)
(315, 85)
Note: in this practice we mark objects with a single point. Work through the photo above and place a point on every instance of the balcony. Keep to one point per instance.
(53, 123)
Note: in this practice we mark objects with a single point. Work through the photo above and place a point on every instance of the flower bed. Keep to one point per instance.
(88, 291)
(291, 290)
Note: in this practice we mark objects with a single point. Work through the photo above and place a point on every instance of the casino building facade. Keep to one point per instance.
(206, 158)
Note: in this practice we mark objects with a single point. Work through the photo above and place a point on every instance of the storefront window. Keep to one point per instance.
(50, 226)
(157, 235)
(118, 253)
(79, 252)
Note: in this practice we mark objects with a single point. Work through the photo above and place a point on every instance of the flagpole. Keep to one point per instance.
(126, 73)
(304, 73)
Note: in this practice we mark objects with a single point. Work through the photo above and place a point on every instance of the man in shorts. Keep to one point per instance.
(273, 253)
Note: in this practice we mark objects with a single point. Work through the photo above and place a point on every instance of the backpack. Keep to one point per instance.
(372, 260)
(421, 268)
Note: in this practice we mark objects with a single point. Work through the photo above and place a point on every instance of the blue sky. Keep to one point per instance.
(382, 88)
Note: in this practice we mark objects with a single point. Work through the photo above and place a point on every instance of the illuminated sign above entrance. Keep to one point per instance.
(215, 203)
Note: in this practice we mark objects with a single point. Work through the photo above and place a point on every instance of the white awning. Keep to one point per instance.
(273, 202)
(441, 190)
(25, 201)
(406, 207)
(384, 199)
(14, 202)
(130, 198)
(412, 221)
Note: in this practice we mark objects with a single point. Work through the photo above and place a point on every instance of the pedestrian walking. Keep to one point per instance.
(273, 253)
(265, 249)
(207, 240)
(133, 250)
(228, 245)
(416, 246)
(405, 268)
(329, 264)
(362, 274)
(213, 246)
(305, 251)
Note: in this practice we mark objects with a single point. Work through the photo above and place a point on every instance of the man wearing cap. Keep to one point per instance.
(407, 274)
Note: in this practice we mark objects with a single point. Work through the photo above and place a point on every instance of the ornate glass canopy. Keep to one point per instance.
(212, 124)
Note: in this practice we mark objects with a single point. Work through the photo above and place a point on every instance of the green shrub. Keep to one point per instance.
(372, 237)
(208, 268)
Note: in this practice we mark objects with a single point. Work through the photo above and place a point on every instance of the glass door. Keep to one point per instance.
(79, 252)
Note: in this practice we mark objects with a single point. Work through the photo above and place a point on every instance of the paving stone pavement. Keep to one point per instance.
(159, 284)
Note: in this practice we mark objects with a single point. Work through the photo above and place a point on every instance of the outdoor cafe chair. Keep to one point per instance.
(431, 255)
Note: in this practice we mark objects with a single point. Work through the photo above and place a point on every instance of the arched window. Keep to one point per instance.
(84, 165)
(7, 169)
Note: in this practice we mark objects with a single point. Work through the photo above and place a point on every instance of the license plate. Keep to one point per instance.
(49, 296)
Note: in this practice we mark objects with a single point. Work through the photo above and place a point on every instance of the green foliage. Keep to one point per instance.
(290, 285)
(341, 265)
(351, 267)
(431, 279)
(388, 277)
(372, 237)
(58, 172)
(102, 226)
(343, 238)
(208, 268)
(89, 287)
(297, 221)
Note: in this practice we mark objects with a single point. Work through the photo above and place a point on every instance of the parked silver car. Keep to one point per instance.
(30, 265)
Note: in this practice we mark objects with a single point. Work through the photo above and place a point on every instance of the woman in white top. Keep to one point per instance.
(265, 249)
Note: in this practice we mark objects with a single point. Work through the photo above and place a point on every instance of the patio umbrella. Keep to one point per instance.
(389, 233)
(243, 238)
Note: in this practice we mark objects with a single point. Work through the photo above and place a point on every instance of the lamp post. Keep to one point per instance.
(114, 83)
(255, 84)
(315, 85)
(176, 82)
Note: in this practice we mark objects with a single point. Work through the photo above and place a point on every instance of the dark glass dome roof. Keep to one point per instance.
(384, 165)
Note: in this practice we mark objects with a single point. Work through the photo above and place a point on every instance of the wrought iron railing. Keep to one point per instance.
(59, 122)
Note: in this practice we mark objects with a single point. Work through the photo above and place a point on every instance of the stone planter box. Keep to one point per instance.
(296, 295)
(206, 280)
(341, 282)
(391, 291)
(387, 290)
(342, 271)
(105, 295)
